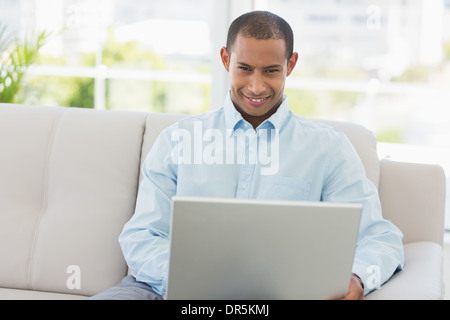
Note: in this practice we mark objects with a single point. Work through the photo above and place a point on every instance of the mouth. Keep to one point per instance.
(256, 102)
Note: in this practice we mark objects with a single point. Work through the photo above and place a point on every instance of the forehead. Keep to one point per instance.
(259, 52)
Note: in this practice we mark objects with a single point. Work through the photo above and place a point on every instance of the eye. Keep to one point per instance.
(272, 70)
(244, 68)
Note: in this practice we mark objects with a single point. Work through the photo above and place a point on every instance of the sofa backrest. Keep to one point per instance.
(68, 182)
(155, 123)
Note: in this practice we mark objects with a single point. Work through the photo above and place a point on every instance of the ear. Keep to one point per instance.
(225, 58)
(292, 63)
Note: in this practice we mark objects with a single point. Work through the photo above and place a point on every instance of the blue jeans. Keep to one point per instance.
(129, 289)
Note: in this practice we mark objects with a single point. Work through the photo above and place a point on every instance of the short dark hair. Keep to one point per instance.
(261, 25)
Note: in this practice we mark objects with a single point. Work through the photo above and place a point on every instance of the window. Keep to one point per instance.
(114, 54)
(385, 64)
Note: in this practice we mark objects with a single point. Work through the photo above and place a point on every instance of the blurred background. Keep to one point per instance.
(382, 63)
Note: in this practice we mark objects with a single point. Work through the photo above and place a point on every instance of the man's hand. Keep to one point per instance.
(356, 289)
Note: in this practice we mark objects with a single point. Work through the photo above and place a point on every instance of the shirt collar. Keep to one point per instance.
(232, 117)
(234, 120)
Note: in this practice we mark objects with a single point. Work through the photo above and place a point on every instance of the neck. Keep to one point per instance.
(255, 121)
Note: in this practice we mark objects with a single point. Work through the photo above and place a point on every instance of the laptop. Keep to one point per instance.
(248, 249)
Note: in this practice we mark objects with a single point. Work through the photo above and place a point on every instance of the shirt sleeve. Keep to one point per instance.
(379, 249)
(144, 238)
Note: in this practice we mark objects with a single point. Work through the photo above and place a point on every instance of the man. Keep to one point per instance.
(312, 162)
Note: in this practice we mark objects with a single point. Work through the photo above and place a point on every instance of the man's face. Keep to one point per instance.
(258, 71)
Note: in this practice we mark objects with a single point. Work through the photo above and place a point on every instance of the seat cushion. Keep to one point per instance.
(16, 294)
(421, 277)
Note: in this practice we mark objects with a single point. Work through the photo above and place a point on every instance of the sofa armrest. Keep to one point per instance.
(421, 277)
(413, 198)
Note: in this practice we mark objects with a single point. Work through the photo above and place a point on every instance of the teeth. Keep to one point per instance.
(257, 100)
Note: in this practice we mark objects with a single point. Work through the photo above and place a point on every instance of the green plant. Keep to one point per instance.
(15, 58)
(447, 50)
(392, 135)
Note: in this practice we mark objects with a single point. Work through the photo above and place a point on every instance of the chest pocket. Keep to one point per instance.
(284, 188)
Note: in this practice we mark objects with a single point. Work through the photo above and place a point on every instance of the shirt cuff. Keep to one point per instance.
(368, 275)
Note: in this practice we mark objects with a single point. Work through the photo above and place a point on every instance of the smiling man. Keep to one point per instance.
(314, 163)
(258, 71)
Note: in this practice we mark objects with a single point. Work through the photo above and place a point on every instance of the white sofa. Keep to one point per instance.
(68, 183)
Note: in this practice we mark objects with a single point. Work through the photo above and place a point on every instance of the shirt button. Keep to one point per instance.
(244, 186)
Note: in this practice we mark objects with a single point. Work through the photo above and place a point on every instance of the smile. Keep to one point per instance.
(256, 100)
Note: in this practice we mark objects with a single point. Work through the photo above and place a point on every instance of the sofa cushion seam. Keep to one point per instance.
(35, 238)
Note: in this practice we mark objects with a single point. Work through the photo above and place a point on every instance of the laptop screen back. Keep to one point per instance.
(260, 249)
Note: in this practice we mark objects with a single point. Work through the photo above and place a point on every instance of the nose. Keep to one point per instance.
(257, 84)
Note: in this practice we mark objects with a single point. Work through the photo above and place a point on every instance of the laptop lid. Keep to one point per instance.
(259, 249)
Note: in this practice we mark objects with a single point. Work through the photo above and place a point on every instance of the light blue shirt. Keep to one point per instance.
(219, 154)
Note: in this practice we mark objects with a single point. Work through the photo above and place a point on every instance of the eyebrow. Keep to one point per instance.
(274, 66)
